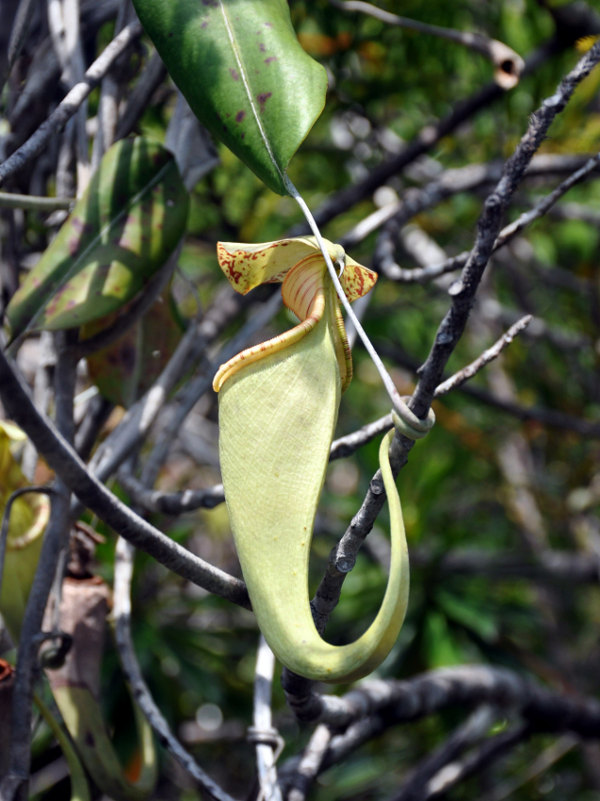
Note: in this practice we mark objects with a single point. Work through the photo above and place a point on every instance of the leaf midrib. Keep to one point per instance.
(246, 82)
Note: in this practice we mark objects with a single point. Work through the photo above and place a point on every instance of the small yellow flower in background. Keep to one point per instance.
(306, 290)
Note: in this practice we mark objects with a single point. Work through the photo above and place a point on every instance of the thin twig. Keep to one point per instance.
(421, 275)
(70, 103)
(19, 31)
(481, 758)
(546, 203)
(12, 200)
(415, 200)
(427, 138)
(470, 732)
(309, 765)
(122, 622)
(508, 64)
(170, 503)
(545, 760)
(486, 357)
(552, 418)
(546, 566)
(266, 739)
(462, 686)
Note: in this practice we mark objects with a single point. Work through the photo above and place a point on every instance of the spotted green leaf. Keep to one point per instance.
(120, 232)
(244, 74)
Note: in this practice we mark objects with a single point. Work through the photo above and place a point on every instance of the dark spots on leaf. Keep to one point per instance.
(234, 74)
(210, 3)
(261, 47)
(240, 115)
(127, 356)
(204, 24)
(271, 58)
(170, 35)
(268, 24)
(262, 99)
(242, 136)
(89, 739)
(73, 246)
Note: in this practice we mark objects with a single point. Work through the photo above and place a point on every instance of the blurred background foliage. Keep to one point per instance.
(484, 481)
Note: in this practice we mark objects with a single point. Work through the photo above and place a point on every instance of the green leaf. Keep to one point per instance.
(441, 648)
(120, 233)
(124, 370)
(244, 74)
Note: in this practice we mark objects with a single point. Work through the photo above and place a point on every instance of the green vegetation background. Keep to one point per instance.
(386, 85)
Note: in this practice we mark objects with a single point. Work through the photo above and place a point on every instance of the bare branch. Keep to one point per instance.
(71, 102)
(406, 210)
(131, 668)
(462, 687)
(266, 739)
(486, 357)
(508, 64)
(481, 758)
(548, 757)
(427, 138)
(415, 200)
(419, 784)
(309, 764)
(546, 566)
